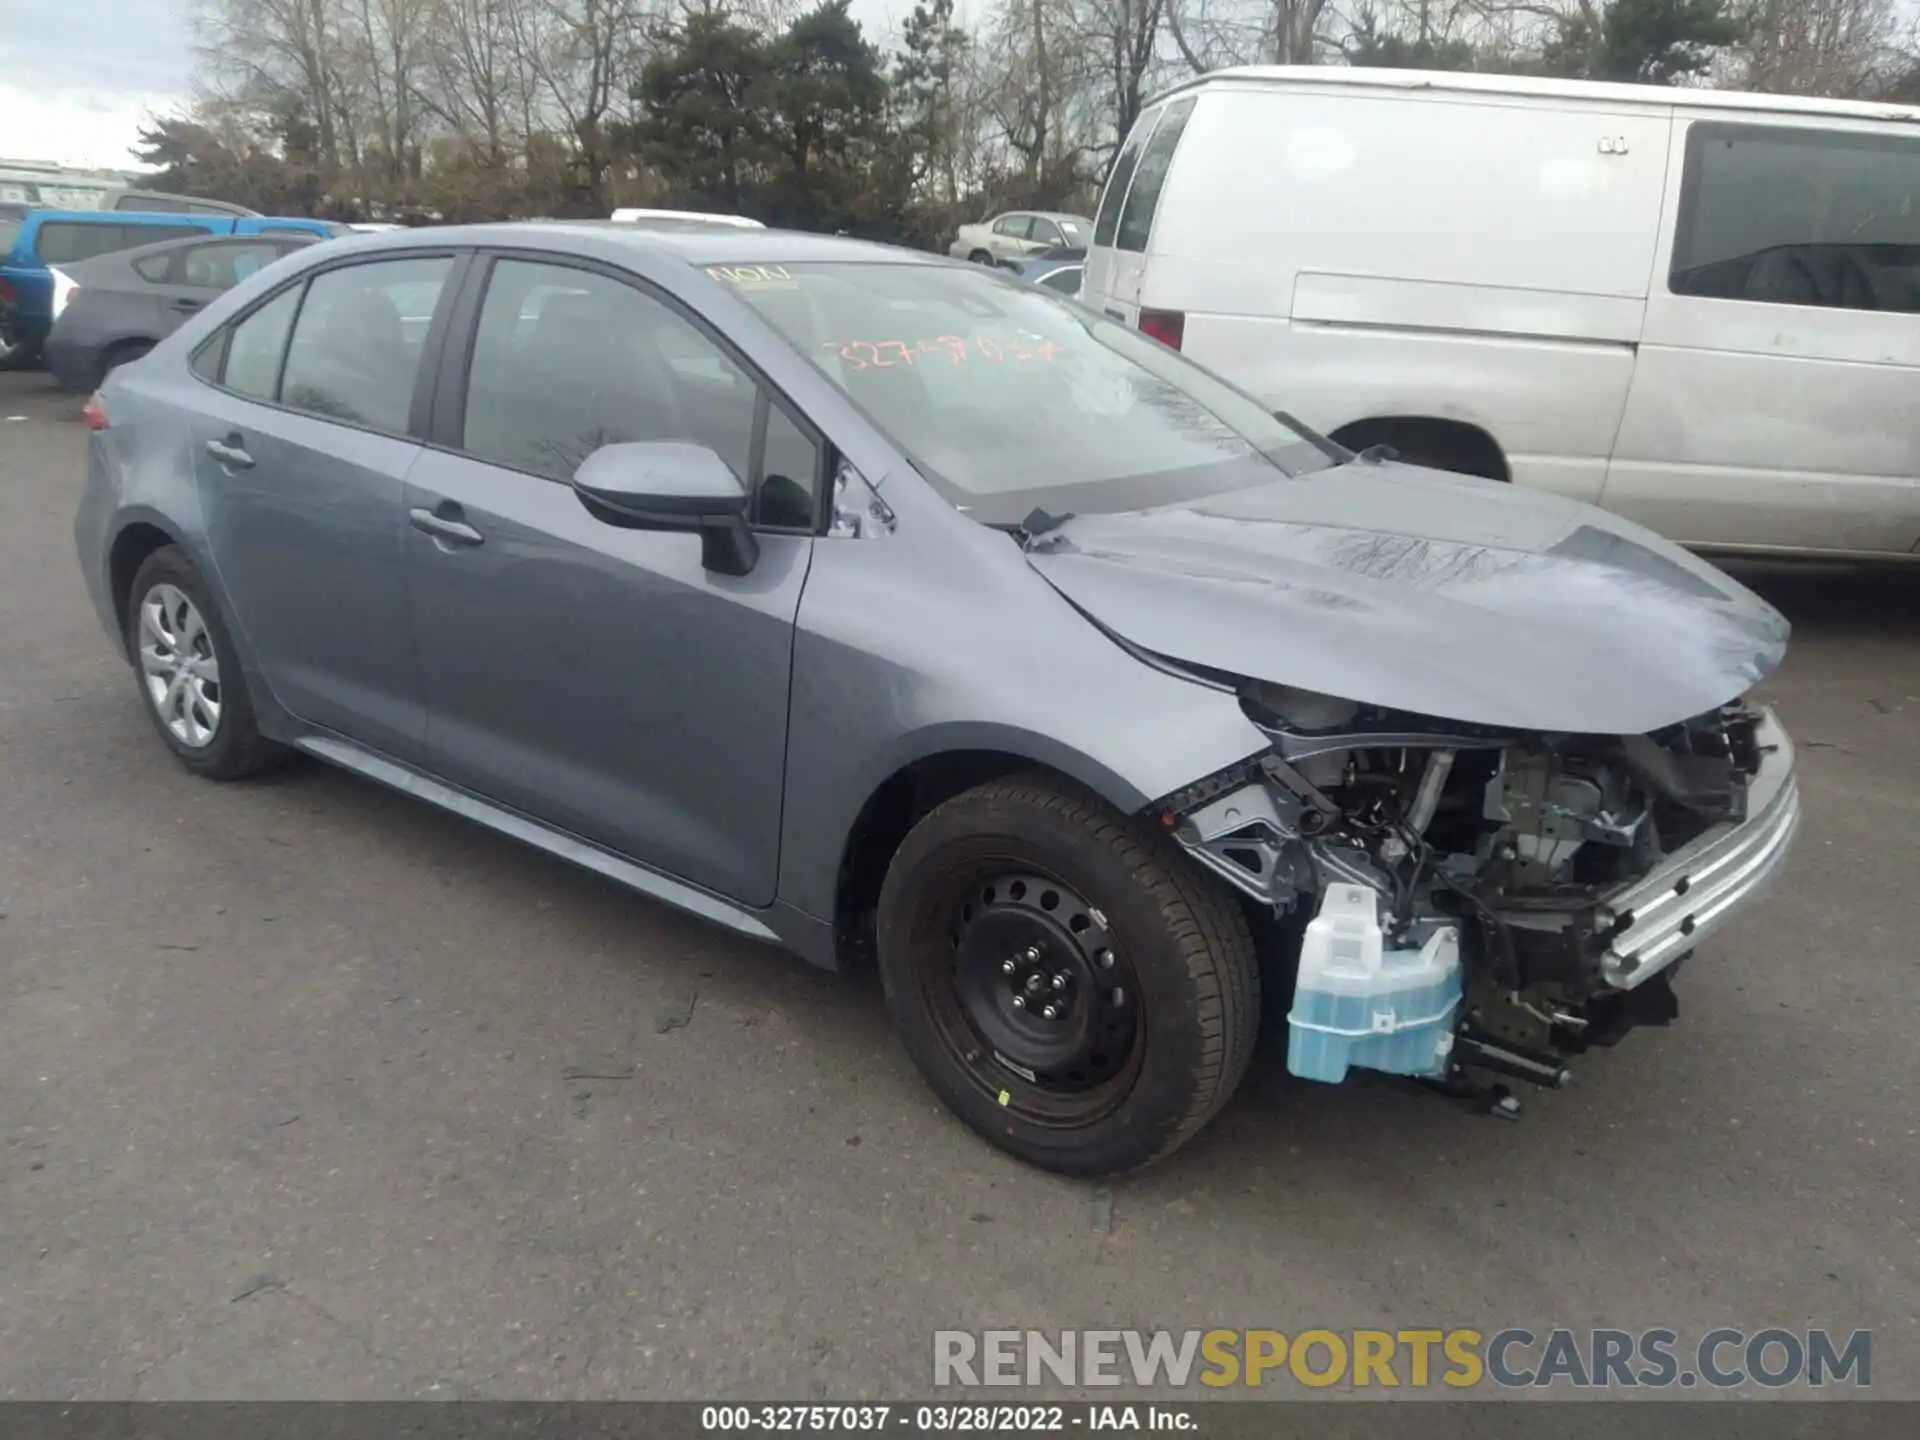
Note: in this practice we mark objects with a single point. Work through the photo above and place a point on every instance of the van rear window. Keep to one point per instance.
(1108, 220)
(1143, 197)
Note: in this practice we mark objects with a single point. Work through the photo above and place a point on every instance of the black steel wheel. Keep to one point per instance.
(1068, 982)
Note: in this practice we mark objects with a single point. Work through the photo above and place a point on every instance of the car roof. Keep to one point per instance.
(1541, 87)
(702, 245)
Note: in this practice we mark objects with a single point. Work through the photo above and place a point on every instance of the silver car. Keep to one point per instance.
(870, 603)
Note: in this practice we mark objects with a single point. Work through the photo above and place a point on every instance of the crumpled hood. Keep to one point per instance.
(1414, 590)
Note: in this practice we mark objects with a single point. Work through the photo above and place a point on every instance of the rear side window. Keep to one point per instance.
(356, 347)
(1799, 217)
(65, 242)
(154, 267)
(1066, 281)
(1143, 196)
(224, 265)
(1124, 164)
(258, 342)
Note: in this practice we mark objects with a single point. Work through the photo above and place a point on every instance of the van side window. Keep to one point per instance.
(1108, 220)
(66, 242)
(1799, 217)
(1136, 219)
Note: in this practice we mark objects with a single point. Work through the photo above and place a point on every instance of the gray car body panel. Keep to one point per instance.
(931, 636)
(1441, 595)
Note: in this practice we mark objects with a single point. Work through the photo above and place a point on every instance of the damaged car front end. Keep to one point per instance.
(1570, 874)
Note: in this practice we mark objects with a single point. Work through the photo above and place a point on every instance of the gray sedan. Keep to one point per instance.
(872, 604)
(113, 309)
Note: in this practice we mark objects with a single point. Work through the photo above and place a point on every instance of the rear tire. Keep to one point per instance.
(1029, 890)
(981, 257)
(191, 685)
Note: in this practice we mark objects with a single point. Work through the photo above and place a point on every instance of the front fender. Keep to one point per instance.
(904, 652)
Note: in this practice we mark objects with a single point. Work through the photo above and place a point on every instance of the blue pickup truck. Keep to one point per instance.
(33, 242)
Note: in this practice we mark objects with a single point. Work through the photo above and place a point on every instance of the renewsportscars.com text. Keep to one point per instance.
(1459, 1359)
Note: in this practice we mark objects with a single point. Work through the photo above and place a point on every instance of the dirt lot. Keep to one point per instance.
(307, 1089)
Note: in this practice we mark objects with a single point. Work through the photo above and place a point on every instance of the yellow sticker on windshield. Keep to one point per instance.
(754, 277)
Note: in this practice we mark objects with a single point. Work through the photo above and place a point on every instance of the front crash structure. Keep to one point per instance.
(1484, 901)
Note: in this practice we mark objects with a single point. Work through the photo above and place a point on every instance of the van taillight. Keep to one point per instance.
(94, 412)
(1166, 326)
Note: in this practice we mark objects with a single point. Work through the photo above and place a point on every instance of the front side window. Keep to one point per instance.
(1007, 396)
(356, 348)
(1066, 280)
(1143, 196)
(256, 346)
(1800, 217)
(566, 360)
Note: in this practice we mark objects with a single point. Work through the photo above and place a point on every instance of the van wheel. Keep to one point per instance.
(1067, 982)
(981, 257)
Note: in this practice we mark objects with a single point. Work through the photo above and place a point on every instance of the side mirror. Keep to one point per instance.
(669, 485)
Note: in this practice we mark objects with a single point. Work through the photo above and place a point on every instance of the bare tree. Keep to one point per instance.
(1820, 47)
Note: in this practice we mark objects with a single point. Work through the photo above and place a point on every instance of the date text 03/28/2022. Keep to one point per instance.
(947, 1418)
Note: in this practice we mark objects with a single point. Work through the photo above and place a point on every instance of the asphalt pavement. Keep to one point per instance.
(307, 1089)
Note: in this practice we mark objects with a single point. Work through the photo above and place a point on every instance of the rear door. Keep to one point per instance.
(305, 441)
(1116, 265)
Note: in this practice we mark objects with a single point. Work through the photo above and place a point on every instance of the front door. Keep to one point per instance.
(302, 452)
(593, 677)
(1772, 402)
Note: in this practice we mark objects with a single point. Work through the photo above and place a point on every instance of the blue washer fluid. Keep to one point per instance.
(1359, 1003)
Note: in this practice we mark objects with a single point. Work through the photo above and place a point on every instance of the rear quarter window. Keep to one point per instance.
(1124, 164)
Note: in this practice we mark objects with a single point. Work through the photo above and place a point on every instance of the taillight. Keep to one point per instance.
(94, 412)
(6, 292)
(1166, 326)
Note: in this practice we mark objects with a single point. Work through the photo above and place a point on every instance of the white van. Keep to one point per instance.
(1700, 309)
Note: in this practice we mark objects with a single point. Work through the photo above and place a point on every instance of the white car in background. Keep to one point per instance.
(1019, 234)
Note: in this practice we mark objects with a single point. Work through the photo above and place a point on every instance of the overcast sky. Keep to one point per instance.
(79, 77)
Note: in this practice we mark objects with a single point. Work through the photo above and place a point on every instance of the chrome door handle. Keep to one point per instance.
(230, 455)
(456, 531)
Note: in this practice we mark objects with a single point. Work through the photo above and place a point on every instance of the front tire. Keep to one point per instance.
(1068, 983)
(190, 679)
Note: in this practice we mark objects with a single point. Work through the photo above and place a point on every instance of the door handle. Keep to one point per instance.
(455, 532)
(187, 307)
(229, 453)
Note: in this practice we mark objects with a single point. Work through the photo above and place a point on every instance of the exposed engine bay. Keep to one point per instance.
(1571, 873)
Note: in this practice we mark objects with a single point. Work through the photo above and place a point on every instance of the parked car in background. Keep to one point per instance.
(63, 237)
(159, 202)
(635, 215)
(115, 308)
(1055, 274)
(869, 603)
(1019, 234)
(1695, 308)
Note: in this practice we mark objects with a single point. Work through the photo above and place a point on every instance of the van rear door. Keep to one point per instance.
(1116, 264)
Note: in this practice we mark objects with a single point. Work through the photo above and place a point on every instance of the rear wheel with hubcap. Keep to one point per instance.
(1070, 985)
(189, 675)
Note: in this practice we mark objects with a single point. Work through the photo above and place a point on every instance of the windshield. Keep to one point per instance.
(1008, 397)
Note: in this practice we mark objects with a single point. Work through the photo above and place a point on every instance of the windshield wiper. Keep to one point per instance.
(1039, 523)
